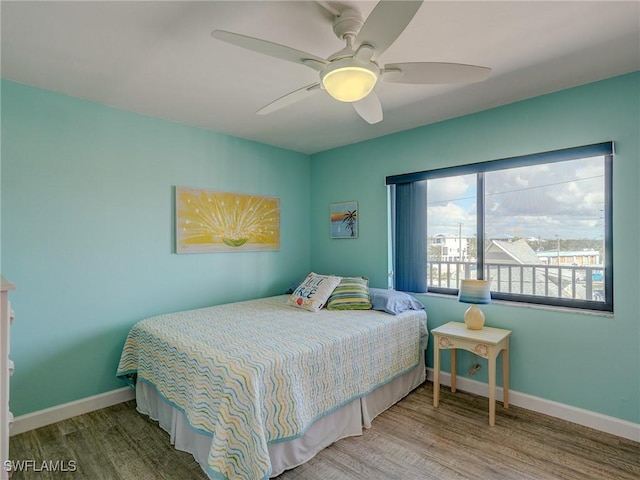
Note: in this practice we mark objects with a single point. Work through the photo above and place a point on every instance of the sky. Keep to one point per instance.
(562, 199)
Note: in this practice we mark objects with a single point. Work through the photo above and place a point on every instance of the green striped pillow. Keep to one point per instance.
(351, 294)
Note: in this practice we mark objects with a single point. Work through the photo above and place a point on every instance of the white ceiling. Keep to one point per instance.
(158, 58)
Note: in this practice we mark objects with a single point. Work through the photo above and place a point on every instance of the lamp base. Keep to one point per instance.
(474, 318)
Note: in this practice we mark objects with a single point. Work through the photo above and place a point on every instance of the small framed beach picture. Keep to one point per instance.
(344, 220)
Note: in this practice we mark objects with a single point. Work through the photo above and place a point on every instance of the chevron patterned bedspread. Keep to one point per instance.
(258, 372)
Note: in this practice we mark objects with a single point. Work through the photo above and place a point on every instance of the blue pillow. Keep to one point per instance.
(294, 285)
(392, 301)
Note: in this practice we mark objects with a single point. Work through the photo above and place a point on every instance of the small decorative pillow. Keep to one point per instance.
(351, 294)
(393, 301)
(314, 291)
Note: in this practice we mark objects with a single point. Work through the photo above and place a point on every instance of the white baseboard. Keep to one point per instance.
(604, 423)
(41, 418)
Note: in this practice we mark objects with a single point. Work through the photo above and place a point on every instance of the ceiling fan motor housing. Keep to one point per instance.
(347, 24)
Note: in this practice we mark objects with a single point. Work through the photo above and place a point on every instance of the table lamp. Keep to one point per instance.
(474, 292)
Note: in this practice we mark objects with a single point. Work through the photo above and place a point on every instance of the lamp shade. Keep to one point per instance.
(474, 291)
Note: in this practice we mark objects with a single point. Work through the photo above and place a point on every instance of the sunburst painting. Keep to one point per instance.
(211, 221)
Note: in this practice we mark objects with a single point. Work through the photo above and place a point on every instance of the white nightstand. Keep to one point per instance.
(487, 343)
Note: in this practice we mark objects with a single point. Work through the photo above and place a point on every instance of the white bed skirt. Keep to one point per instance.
(347, 421)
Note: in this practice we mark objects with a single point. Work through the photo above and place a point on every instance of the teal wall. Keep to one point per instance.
(88, 231)
(586, 361)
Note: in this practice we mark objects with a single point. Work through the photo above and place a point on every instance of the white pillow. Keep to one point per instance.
(314, 291)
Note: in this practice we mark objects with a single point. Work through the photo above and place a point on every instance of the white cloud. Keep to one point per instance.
(564, 199)
(447, 219)
(446, 189)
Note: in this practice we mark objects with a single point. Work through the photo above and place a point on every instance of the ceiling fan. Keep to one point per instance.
(351, 74)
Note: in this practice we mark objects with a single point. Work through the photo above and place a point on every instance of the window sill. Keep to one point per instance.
(535, 306)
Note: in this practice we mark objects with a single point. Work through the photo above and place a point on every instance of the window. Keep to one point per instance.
(538, 227)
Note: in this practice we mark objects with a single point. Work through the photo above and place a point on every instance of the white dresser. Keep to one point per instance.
(6, 370)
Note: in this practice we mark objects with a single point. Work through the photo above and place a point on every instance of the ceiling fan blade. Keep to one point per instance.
(434, 73)
(369, 108)
(289, 99)
(328, 7)
(385, 24)
(269, 48)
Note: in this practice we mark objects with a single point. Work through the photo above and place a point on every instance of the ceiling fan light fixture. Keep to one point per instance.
(347, 82)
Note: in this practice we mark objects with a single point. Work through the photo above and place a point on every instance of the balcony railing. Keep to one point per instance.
(559, 281)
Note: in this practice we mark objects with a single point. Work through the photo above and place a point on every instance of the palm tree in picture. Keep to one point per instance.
(350, 219)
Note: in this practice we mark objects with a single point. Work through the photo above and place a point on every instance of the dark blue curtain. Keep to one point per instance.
(410, 237)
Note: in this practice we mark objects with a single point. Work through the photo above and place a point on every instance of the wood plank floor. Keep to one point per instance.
(411, 440)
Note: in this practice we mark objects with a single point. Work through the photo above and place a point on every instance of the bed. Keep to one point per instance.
(253, 388)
